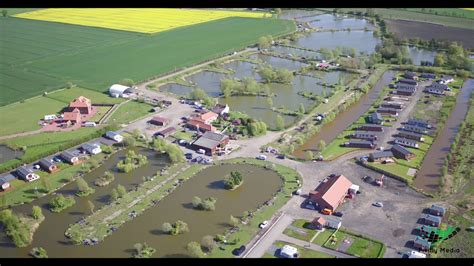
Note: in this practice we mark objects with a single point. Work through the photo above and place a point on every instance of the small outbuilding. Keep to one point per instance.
(288, 251)
(69, 157)
(4, 184)
(158, 121)
(166, 132)
(27, 174)
(48, 166)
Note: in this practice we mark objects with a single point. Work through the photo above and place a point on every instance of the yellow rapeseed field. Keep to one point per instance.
(145, 20)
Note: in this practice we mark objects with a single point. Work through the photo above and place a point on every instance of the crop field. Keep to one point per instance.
(450, 12)
(152, 55)
(144, 20)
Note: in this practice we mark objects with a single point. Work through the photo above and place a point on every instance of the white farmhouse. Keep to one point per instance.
(114, 136)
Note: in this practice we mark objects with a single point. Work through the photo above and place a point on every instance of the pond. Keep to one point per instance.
(175, 89)
(420, 54)
(277, 62)
(298, 14)
(330, 21)
(7, 154)
(296, 52)
(258, 187)
(361, 41)
(242, 69)
(209, 81)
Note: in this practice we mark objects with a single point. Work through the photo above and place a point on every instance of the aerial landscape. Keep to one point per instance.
(236, 133)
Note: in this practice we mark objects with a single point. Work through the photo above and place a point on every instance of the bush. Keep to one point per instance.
(60, 203)
(178, 227)
(131, 162)
(36, 213)
(234, 180)
(15, 228)
(206, 205)
(194, 248)
(208, 243)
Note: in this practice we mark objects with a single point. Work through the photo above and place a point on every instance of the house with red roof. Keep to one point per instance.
(330, 193)
(208, 117)
(81, 103)
(199, 125)
(73, 117)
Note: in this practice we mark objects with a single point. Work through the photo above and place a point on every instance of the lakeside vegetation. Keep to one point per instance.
(176, 228)
(59, 203)
(233, 181)
(19, 228)
(132, 161)
(208, 204)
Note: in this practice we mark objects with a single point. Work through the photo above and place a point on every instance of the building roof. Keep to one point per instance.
(410, 74)
(413, 128)
(319, 220)
(159, 119)
(407, 81)
(428, 75)
(80, 101)
(400, 149)
(288, 251)
(112, 134)
(210, 140)
(208, 115)
(199, 123)
(387, 110)
(46, 163)
(406, 87)
(434, 89)
(23, 171)
(364, 133)
(90, 146)
(409, 133)
(68, 155)
(437, 85)
(406, 140)
(361, 142)
(381, 154)
(417, 121)
(371, 125)
(3, 181)
(446, 77)
(433, 218)
(376, 116)
(392, 103)
(75, 115)
(422, 242)
(167, 131)
(219, 108)
(118, 89)
(332, 189)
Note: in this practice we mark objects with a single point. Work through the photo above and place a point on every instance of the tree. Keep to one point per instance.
(36, 212)
(121, 190)
(264, 42)
(76, 237)
(180, 227)
(208, 243)
(291, 149)
(4, 12)
(82, 185)
(167, 228)
(440, 59)
(114, 195)
(321, 145)
(308, 155)
(301, 109)
(279, 123)
(194, 248)
(197, 94)
(39, 253)
(91, 206)
(136, 133)
(129, 141)
(234, 222)
(196, 202)
(138, 247)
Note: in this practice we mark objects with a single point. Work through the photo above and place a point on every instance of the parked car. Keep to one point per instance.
(263, 224)
(188, 155)
(281, 156)
(238, 251)
(471, 228)
(297, 192)
(262, 157)
(378, 204)
(326, 211)
(199, 159)
(332, 175)
(309, 206)
(57, 159)
(36, 166)
(183, 142)
(201, 151)
(338, 214)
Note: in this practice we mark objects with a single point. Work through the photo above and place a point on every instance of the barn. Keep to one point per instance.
(211, 142)
(331, 192)
(118, 90)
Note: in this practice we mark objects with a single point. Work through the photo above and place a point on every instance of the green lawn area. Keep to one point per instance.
(334, 149)
(323, 237)
(246, 232)
(183, 135)
(129, 111)
(450, 12)
(24, 192)
(49, 142)
(304, 253)
(101, 111)
(24, 116)
(464, 240)
(394, 168)
(299, 235)
(361, 246)
(68, 95)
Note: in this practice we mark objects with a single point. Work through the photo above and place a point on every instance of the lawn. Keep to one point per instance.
(24, 192)
(450, 12)
(147, 56)
(150, 20)
(464, 240)
(304, 253)
(395, 169)
(299, 235)
(129, 111)
(68, 95)
(323, 237)
(183, 135)
(101, 111)
(361, 246)
(334, 149)
(24, 116)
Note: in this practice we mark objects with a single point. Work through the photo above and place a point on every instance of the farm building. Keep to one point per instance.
(331, 192)
(369, 127)
(158, 121)
(416, 129)
(166, 132)
(408, 81)
(83, 104)
(406, 142)
(360, 144)
(437, 210)
(74, 116)
(375, 118)
(208, 117)
(289, 252)
(388, 111)
(428, 76)
(363, 135)
(394, 105)
(401, 152)
(221, 109)
(26, 174)
(92, 148)
(199, 125)
(422, 244)
(318, 223)
(48, 166)
(410, 75)
(405, 90)
(419, 123)
(211, 142)
(380, 156)
(114, 136)
(431, 220)
(118, 90)
(4, 184)
(433, 90)
(69, 157)
(411, 135)
(446, 79)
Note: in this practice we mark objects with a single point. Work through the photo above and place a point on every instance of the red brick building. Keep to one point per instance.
(330, 193)
(81, 103)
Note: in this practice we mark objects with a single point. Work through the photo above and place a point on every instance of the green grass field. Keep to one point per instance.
(323, 237)
(450, 12)
(67, 95)
(360, 247)
(14, 11)
(394, 168)
(148, 56)
(129, 111)
(304, 253)
(306, 236)
(24, 116)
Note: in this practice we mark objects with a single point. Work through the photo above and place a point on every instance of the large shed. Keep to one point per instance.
(331, 192)
(118, 90)
(211, 142)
